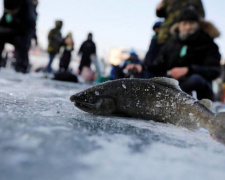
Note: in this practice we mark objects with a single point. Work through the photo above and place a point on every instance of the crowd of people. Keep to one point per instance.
(182, 47)
(56, 41)
(18, 27)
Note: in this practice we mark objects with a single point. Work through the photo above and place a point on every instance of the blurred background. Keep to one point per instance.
(115, 24)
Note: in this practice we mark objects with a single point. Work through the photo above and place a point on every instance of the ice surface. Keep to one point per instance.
(44, 137)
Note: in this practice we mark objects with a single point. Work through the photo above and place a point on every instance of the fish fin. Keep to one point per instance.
(169, 82)
(207, 103)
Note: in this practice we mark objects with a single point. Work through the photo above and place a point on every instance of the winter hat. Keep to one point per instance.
(133, 53)
(157, 25)
(58, 23)
(12, 4)
(188, 15)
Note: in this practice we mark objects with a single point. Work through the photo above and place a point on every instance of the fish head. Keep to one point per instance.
(94, 100)
(218, 130)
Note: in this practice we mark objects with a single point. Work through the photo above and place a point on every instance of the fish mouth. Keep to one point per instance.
(81, 104)
(84, 105)
(73, 98)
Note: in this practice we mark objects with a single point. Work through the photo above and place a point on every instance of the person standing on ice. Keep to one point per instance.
(34, 33)
(16, 27)
(55, 41)
(87, 49)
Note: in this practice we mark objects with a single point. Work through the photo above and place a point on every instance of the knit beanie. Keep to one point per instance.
(188, 15)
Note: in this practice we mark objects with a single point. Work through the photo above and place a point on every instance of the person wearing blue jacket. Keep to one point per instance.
(127, 70)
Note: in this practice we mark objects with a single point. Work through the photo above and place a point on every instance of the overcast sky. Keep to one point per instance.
(114, 23)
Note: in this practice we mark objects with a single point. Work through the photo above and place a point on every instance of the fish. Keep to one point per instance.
(159, 99)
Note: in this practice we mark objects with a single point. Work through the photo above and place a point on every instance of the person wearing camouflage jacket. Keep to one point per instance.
(55, 41)
(170, 10)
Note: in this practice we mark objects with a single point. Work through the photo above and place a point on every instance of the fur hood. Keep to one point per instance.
(206, 26)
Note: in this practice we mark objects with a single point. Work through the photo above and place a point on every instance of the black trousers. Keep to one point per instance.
(65, 60)
(21, 43)
(197, 83)
(85, 61)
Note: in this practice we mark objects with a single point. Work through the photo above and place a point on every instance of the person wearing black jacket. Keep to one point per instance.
(67, 53)
(153, 51)
(191, 57)
(16, 27)
(87, 49)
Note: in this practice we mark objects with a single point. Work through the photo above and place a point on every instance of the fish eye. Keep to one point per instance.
(96, 93)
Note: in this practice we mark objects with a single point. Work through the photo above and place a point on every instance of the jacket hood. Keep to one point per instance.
(208, 27)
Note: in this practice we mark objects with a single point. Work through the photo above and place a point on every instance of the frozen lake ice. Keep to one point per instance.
(44, 137)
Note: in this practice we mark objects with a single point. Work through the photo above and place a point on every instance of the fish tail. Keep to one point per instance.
(219, 119)
(218, 127)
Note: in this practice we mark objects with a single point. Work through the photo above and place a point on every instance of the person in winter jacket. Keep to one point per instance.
(170, 10)
(55, 41)
(192, 57)
(87, 49)
(153, 51)
(16, 27)
(66, 55)
(34, 33)
(128, 69)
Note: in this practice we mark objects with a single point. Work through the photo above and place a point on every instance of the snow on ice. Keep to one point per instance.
(43, 137)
